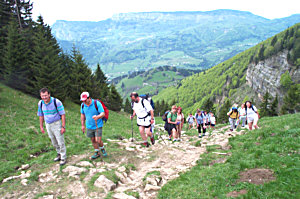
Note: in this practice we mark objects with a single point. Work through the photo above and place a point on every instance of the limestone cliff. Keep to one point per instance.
(265, 75)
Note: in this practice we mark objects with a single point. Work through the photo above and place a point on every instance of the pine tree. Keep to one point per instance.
(15, 58)
(274, 107)
(46, 63)
(265, 105)
(100, 87)
(222, 116)
(81, 76)
(291, 100)
(127, 106)
(208, 105)
(115, 100)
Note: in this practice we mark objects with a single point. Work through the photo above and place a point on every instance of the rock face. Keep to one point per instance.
(265, 76)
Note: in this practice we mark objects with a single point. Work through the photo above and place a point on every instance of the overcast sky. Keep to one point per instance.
(97, 10)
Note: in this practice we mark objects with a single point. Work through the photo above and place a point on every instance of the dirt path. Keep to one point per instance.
(156, 165)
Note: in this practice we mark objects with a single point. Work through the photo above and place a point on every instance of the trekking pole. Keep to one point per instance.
(97, 139)
(131, 130)
(161, 138)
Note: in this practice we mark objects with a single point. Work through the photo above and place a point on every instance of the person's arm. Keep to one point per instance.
(82, 122)
(170, 122)
(152, 116)
(63, 124)
(132, 116)
(97, 117)
(42, 124)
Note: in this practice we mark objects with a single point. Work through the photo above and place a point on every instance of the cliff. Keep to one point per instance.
(265, 75)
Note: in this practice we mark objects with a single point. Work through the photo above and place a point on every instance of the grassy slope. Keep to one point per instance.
(274, 146)
(21, 137)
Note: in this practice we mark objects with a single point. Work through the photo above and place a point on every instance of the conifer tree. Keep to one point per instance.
(15, 58)
(291, 101)
(222, 116)
(208, 105)
(274, 107)
(115, 100)
(100, 87)
(127, 106)
(46, 63)
(80, 77)
(265, 105)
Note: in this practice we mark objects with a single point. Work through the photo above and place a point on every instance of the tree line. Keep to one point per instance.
(31, 59)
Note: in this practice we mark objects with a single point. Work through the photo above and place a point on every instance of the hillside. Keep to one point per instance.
(137, 41)
(248, 75)
(151, 81)
(267, 157)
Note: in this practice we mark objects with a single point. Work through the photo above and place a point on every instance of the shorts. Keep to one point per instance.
(212, 125)
(145, 126)
(252, 118)
(93, 133)
(146, 122)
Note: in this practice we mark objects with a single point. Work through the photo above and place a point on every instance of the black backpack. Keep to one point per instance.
(54, 100)
(164, 116)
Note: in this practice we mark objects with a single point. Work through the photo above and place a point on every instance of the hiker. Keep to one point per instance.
(172, 122)
(180, 120)
(233, 116)
(190, 120)
(92, 113)
(145, 117)
(252, 115)
(200, 120)
(166, 126)
(212, 120)
(207, 119)
(242, 114)
(51, 110)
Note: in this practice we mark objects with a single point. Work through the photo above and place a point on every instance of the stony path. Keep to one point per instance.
(158, 164)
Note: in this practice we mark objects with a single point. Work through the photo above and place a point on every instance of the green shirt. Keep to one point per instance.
(172, 116)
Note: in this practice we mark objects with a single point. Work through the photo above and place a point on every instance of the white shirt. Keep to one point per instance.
(139, 110)
(212, 120)
(242, 111)
(250, 111)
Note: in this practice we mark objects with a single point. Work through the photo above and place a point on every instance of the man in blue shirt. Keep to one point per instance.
(93, 121)
(51, 110)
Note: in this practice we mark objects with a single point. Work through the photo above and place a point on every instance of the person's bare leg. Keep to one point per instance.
(250, 125)
(95, 143)
(142, 132)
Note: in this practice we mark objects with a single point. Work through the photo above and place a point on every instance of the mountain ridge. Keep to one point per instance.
(138, 41)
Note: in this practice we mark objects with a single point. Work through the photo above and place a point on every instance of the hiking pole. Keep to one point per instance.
(131, 130)
(97, 140)
(162, 138)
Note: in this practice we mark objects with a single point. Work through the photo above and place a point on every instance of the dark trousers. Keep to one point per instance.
(199, 129)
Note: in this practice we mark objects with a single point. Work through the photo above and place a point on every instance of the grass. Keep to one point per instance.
(278, 150)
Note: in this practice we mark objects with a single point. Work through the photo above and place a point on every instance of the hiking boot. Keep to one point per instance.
(57, 158)
(103, 152)
(231, 129)
(146, 144)
(96, 155)
(62, 162)
(200, 136)
(152, 140)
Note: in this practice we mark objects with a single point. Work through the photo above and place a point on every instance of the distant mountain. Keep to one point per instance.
(136, 41)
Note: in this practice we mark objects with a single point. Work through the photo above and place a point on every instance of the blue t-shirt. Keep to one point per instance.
(199, 118)
(89, 112)
(49, 111)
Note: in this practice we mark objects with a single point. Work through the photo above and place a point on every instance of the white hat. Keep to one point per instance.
(84, 96)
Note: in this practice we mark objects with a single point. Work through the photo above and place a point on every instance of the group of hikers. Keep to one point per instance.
(93, 113)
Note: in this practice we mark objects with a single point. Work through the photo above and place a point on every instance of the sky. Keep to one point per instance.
(97, 10)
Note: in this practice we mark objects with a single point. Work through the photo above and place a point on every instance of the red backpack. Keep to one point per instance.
(106, 111)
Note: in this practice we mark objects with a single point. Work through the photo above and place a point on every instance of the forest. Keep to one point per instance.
(31, 59)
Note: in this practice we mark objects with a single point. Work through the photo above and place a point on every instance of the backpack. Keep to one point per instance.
(106, 111)
(148, 98)
(54, 100)
(236, 112)
(164, 116)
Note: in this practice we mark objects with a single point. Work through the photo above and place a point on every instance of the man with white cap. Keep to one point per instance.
(92, 113)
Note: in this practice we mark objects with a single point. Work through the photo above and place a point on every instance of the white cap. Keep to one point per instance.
(84, 96)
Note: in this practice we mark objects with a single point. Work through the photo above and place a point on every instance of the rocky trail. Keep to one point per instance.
(155, 166)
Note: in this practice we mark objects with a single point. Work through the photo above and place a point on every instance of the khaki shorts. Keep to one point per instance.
(93, 133)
